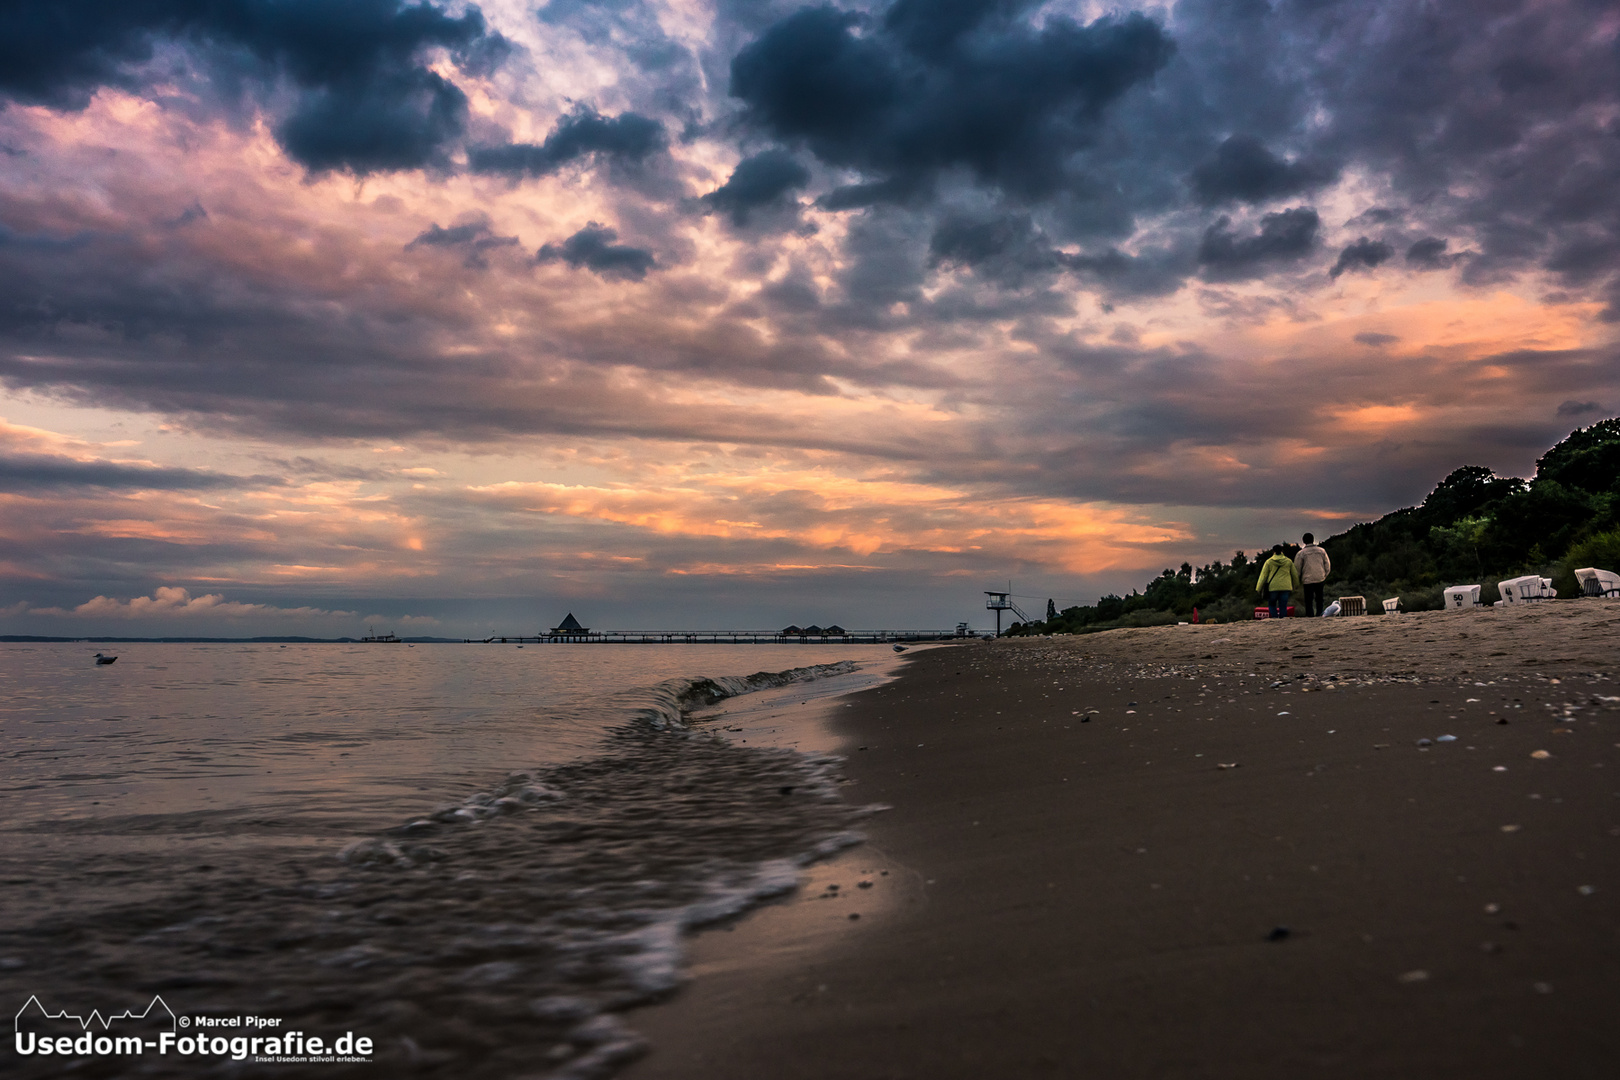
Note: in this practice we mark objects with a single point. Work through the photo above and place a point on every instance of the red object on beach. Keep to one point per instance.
(1262, 613)
(1195, 616)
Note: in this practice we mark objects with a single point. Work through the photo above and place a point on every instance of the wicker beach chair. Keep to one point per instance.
(1462, 596)
(1595, 582)
(1352, 605)
(1521, 590)
(1392, 606)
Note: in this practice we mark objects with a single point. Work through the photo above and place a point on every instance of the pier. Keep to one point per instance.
(729, 637)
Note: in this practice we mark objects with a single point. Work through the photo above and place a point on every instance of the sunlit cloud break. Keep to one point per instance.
(172, 602)
(626, 304)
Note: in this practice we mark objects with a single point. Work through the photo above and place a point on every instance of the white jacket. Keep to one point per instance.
(1313, 564)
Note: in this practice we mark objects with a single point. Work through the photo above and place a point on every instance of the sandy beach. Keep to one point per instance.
(1365, 847)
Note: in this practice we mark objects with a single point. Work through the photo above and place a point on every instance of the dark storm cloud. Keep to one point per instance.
(475, 238)
(763, 180)
(939, 86)
(1489, 124)
(1374, 340)
(1506, 100)
(627, 138)
(1228, 103)
(1574, 408)
(366, 99)
(592, 248)
(1364, 253)
(1283, 237)
(1430, 254)
(1006, 250)
(1243, 170)
(45, 472)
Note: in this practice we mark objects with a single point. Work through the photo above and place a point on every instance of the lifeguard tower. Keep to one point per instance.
(1003, 601)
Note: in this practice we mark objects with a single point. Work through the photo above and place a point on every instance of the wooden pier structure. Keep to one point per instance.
(730, 637)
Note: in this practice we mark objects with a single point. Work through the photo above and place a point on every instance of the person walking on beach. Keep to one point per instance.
(1314, 566)
(1278, 581)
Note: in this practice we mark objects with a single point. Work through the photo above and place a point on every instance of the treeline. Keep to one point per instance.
(1474, 528)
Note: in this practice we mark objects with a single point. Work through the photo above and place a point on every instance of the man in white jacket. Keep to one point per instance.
(1314, 566)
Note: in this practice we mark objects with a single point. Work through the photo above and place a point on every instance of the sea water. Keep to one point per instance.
(475, 856)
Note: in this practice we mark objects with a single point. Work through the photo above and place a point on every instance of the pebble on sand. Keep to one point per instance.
(1416, 976)
(1541, 755)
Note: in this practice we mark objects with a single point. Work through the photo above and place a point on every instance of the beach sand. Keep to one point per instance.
(1070, 883)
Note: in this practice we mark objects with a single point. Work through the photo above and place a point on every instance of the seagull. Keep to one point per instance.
(106, 659)
(1331, 609)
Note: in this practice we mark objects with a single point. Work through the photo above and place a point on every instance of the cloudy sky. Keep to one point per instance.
(455, 317)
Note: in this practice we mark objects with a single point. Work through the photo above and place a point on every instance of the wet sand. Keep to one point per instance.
(1070, 883)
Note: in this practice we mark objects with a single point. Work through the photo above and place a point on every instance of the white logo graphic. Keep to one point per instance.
(95, 1016)
(156, 1029)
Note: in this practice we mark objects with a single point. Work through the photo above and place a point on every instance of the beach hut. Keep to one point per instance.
(835, 631)
(813, 631)
(1462, 596)
(792, 631)
(1595, 582)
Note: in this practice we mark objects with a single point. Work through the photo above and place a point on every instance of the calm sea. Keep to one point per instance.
(474, 855)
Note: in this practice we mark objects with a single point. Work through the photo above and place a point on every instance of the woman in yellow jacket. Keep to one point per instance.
(1278, 579)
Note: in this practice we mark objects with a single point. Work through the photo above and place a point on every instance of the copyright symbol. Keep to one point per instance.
(185, 1021)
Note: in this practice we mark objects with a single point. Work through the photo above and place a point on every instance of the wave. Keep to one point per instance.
(501, 935)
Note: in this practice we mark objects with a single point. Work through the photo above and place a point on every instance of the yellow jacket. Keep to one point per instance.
(1278, 574)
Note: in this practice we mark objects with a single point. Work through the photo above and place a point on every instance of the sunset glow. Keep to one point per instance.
(613, 308)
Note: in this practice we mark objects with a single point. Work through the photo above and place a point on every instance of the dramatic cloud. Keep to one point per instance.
(593, 249)
(1364, 253)
(627, 138)
(317, 305)
(18, 473)
(936, 86)
(759, 181)
(1430, 254)
(1243, 170)
(475, 238)
(1283, 237)
(367, 98)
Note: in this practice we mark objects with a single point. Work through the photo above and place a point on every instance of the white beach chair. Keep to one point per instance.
(1392, 606)
(1462, 596)
(1521, 589)
(1595, 582)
